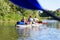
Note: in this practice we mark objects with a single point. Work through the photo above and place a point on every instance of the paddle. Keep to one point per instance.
(33, 5)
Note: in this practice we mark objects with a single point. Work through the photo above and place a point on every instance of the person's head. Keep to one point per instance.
(30, 16)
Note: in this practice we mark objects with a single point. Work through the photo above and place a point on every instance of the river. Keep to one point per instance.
(51, 32)
(47, 31)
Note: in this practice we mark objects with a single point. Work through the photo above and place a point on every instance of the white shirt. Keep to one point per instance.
(31, 19)
(35, 19)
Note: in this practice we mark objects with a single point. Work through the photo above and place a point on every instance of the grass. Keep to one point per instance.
(8, 31)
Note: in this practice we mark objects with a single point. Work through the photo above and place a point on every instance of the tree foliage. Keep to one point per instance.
(9, 11)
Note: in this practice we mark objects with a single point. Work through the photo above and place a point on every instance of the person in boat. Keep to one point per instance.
(30, 20)
(22, 22)
(36, 20)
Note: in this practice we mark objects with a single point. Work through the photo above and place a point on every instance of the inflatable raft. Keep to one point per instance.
(28, 26)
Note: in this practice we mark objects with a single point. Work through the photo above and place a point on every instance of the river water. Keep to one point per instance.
(47, 31)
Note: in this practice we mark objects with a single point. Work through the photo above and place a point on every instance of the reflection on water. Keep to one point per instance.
(52, 23)
(8, 31)
(47, 31)
(44, 34)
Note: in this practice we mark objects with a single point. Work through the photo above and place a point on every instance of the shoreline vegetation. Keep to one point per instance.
(41, 18)
(10, 12)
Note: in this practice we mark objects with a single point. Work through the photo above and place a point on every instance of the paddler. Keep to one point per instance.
(30, 19)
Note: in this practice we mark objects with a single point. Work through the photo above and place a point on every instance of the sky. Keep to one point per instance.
(50, 4)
